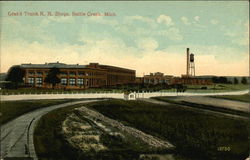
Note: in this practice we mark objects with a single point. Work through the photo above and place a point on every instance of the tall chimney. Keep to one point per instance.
(187, 62)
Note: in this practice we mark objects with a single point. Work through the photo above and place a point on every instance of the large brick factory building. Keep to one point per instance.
(94, 75)
(77, 76)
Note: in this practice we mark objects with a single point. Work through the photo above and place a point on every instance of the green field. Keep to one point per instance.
(216, 88)
(195, 135)
(242, 98)
(13, 109)
(205, 106)
(221, 86)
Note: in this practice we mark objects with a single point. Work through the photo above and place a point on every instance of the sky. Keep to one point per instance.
(140, 35)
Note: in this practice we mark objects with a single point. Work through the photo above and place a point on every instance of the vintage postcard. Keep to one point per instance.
(124, 80)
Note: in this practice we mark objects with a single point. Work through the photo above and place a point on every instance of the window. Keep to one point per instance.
(64, 81)
(39, 80)
(72, 73)
(31, 80)
(80, 82)
(81, 73)
(87, 82)
(39, 73)
(64, 73)
(31, 73)
(72, 81)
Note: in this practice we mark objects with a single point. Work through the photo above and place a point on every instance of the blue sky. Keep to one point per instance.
(145, 36)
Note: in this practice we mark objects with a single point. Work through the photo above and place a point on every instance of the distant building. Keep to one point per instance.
(157, 78)
(191, 80)
(75, 76)
(139, 80)
(160, 78)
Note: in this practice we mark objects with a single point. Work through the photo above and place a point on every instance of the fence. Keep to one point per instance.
(119, 95)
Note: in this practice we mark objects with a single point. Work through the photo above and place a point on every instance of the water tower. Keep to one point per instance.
(190, 64)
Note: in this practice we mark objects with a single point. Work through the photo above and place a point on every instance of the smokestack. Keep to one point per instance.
(187, 62)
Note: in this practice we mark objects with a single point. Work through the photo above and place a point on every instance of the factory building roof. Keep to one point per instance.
(51, 65)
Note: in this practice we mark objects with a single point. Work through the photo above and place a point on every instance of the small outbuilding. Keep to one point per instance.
(130, 96)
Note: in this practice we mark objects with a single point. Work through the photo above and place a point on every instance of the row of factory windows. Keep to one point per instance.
(64, 81)
(80, 73)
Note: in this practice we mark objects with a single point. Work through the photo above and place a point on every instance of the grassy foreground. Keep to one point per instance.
(242, 98)
(220, 86)
(13, 109)
(48, 140)
(202, 106)
(195, 135)
(50, 143)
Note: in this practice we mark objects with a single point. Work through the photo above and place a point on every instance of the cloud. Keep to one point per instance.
(35, 44)
(243, 40)
(171, 33)
(241, 37)
(209, 65)
(114, 52)
(197, 18)
(131, 19)
(214, 21)
(194, 22)
(229, 33)
(147, 44)
(185, 20)
(164, 19)
(102, 20)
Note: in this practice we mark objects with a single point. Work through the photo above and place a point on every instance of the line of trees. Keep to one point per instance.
(226, 81)
(15, 77)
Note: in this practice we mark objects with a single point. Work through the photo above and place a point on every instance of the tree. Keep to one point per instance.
(222, 80)
(215, 79)
(244, 80)
(180, 88)
(15, 76)
(52, 77)
(236, 80)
